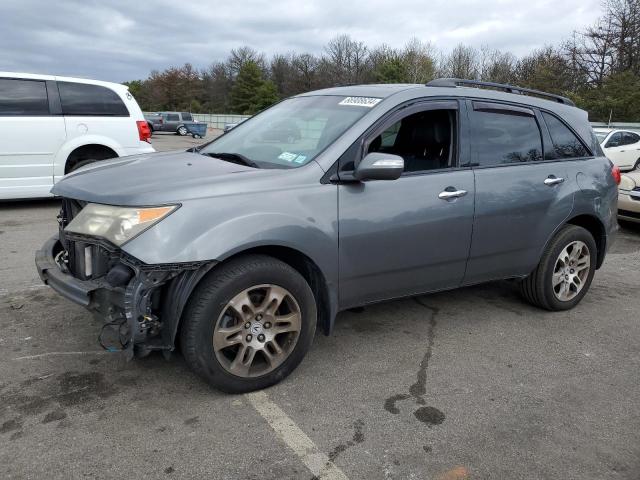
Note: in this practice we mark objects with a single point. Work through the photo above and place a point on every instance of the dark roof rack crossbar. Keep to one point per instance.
(454, 82)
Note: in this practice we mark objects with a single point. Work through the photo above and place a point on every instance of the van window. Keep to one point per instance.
(90, 100)
(172, 117)
(186, 117)
(23, 97)
(503, 136)
(565, 143)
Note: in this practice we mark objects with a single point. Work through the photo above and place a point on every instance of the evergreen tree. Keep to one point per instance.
(251, 92)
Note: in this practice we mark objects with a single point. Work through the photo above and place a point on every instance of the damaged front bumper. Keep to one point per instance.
(148, 299)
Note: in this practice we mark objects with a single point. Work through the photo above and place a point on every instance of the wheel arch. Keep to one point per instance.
(596, 228)
(69, 147)
(85, 152)
(180, 290)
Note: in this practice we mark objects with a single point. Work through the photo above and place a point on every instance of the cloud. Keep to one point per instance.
(123, 39)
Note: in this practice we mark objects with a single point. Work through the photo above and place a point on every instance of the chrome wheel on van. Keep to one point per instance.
(571, 271)
(257, 330)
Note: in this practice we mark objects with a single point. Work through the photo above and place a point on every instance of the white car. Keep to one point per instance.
(622, 147)
(52, 125)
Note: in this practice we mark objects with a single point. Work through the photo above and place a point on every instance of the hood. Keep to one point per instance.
(156, 178)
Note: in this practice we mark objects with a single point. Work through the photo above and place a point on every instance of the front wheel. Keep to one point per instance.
(564, 274)
(248, 324)
(182, 130)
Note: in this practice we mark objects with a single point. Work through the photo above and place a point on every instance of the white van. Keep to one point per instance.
(52, 125)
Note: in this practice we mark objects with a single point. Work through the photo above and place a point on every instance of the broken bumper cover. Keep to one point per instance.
(51, 274)
(149, 299)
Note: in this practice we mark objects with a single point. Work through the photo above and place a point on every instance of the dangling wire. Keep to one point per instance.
(123, 338)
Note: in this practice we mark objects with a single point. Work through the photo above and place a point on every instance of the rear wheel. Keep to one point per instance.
(249, 324)
(182, 130)
(564, 274)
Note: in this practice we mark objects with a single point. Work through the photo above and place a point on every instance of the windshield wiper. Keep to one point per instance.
(233, 158)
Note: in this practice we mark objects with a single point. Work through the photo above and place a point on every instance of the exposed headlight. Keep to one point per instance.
(116, 224)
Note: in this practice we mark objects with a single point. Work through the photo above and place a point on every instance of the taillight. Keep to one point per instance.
(615, 173)
(144, 131)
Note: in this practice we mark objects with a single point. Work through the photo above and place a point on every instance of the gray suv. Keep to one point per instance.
(238, 250)
(169, 122)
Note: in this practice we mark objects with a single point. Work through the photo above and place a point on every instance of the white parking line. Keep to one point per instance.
(317, 462)
(55, 354)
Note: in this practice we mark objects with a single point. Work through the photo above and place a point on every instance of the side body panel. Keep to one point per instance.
(302, 217)
(398, 238)
(597, 194)
(29, 149)
(29, 144)
(518, 208)
(516, 213)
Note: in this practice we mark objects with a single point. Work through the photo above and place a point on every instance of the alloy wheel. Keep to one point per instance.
(257, 330)
(571, 271)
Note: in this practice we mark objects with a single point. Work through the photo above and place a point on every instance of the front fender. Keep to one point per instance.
(214, 229)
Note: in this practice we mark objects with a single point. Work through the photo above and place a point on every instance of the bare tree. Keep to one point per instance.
(462, 62)
(419, 60)
(496, 66)
(345, 60)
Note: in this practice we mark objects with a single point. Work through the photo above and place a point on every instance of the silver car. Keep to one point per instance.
(239, 250)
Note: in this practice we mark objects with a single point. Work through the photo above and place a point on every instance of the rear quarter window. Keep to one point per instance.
(23, 97)
(90, 100)
(565, 143)
(186, 117)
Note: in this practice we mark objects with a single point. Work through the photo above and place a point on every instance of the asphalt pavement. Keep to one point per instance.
(468, 384)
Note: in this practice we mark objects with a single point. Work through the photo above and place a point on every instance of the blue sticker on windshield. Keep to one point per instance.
(300, 159)
(288, 156)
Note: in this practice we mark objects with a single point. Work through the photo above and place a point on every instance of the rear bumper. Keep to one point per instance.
(629, 206)
(143, 147)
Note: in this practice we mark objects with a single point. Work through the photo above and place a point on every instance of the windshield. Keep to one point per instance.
(291, 133)
(601, 136)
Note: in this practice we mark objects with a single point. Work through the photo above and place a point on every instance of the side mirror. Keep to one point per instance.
(379, 166)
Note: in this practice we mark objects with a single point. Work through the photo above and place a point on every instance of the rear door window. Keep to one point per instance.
(565, 142)
(186, 117)
(629, 138)
(23, 97)
(501, 135)
(172, 117)
(90, 100)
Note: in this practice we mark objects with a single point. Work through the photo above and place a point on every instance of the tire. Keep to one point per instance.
(637, 165)
(539, 289)
(208, 313)
(182, 130)
(87, 161)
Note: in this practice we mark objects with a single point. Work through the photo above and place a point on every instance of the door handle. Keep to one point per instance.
(450, 194)
(552, 180)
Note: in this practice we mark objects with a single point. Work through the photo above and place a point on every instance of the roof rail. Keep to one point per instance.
(455, 82)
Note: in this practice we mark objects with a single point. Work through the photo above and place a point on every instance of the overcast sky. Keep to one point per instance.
(121, 40)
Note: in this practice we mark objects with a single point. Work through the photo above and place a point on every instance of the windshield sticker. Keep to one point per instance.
(300, 159)
(368, 102)
(288, 156)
